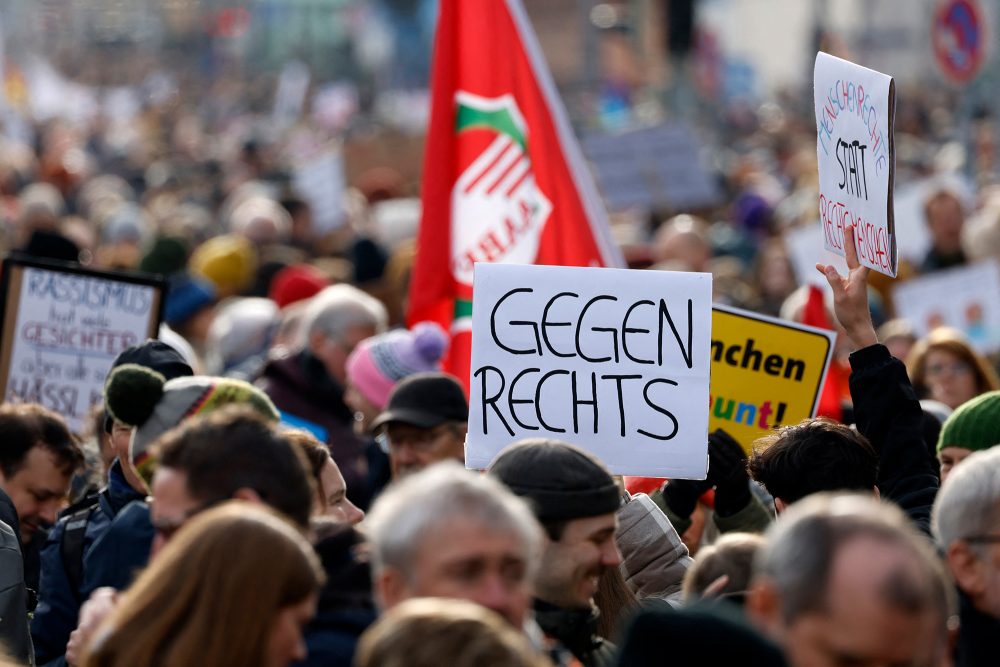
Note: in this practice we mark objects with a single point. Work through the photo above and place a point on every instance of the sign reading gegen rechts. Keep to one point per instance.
(62, 328)
(612, 360)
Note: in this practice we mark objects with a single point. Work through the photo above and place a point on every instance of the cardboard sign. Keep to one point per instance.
(855, 107)
(320, 181)
(652, 167)
(612, 360)
(766, 372)
(967, 299)
(63, 326)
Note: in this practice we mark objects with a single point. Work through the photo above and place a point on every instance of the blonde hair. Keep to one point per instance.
(428, 632)
(732, 556)
(210, 597)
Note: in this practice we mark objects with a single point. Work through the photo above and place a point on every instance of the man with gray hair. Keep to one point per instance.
(966, 524)
(847, 580)
(447, 532)
(307, 385)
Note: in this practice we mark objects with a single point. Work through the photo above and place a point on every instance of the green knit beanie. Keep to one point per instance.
(974, 425)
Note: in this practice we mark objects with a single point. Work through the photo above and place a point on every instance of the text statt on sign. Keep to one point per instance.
(855, 107)
(612, 360)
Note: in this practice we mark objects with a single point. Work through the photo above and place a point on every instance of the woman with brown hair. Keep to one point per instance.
(943, 366)
(331, 490)
(233, 589)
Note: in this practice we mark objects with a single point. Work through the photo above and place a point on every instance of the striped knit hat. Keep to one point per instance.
(379, 362)
(143, 398)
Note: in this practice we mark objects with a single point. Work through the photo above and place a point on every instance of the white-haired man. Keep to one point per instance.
(307, 385)
(966, 523)
(447, 532)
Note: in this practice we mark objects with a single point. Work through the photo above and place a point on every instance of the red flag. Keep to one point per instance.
(504, 179)
(834, 387)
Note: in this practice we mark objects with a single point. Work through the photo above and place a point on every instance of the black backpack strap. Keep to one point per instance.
(71, 547)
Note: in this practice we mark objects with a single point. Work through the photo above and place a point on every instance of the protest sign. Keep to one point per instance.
(766, 372)
(652, 167)
(290, 97)
(612, 360)
(805, 251)
(855, 107)
(63, 326)
(320, 181)
(966, 299)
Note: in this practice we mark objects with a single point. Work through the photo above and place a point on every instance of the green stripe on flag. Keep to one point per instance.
(463, 316)
(499, 120)
(463, 308)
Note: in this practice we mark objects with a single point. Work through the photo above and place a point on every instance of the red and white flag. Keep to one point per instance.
(504, 178)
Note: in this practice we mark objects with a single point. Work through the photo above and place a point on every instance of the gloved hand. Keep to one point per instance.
(727, 472)
(682, 495)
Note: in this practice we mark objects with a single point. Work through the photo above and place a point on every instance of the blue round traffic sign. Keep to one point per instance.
(958, 39)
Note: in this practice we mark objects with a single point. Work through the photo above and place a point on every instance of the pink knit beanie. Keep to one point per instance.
(379, 362)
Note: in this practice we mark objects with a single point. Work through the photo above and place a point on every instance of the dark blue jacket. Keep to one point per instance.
(332, 636)
(59, 601)
(123, 550)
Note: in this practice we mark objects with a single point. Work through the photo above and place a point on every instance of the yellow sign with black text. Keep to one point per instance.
(766, 373)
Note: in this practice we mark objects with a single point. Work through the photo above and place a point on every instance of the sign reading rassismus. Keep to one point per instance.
(855, 107)
(62, 328)
(612, 360)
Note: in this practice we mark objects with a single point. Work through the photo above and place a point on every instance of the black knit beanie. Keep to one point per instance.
(560, 481)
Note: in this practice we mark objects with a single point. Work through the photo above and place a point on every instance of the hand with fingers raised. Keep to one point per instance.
(850, 294)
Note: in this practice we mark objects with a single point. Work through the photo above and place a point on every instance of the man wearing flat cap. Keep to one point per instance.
(575, 499)
(425, 421)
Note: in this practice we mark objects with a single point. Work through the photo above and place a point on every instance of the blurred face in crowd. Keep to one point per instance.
(572, 565)
(121, 436)
(468, 560)
(333, 352)
(950, 457)
(944, 220)
(857, 625)
(364, 410)
(975, 565)
(285, 644)
(950, 379)
(333, 496)
(172, 504)
(411, 448)
(38, 490)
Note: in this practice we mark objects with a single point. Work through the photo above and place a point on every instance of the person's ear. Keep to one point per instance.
(316, 340)
(247, 494)
(878, 494)
(779, 505)
(763, 605)
(967, 568)
(391, 588)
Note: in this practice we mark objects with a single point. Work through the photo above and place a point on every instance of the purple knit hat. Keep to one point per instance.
(379, 362)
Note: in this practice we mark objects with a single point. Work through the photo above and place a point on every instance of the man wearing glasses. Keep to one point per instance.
(966, 523)
(424, 422)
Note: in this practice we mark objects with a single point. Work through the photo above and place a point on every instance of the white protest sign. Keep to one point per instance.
(290, 97)
(855, 107)
(612, 360)
(805, 250)
(967, 299)
(320, 181)
(62, 329)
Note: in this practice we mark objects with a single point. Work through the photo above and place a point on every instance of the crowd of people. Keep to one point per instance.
(278, 478)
